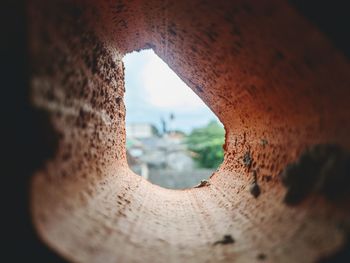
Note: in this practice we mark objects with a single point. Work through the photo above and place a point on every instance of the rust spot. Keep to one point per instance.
(227, 239)
(322, 169)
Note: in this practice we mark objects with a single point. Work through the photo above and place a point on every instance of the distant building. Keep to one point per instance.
(137, 166)
(162, 159)
(141, 130)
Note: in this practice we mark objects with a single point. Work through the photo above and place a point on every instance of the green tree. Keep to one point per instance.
(206, 143)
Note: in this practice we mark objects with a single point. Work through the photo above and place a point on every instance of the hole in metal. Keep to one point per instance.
(173, 139)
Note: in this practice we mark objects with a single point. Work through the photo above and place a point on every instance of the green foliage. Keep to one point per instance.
(206, 143)
(155, 131)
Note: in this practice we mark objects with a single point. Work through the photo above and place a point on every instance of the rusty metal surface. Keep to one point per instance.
(276, 83)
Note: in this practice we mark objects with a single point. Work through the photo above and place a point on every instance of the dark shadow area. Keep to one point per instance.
(28, 140)
(331, 17)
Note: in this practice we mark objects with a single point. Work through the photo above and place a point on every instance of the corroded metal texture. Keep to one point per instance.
(271, 77)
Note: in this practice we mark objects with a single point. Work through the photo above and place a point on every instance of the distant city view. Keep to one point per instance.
(173, 138)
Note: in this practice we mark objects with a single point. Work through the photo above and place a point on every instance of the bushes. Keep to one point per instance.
(206, 144)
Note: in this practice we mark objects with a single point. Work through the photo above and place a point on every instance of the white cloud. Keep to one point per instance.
(164, 88)
(153, 90)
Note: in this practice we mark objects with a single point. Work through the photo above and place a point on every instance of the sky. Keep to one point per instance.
(153, 91)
